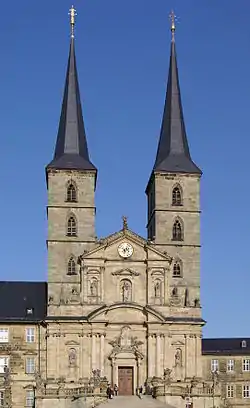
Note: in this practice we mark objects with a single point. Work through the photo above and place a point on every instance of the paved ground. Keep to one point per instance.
(133, 402)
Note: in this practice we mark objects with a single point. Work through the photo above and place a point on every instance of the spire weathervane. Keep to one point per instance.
(172, 17)
(73, 14)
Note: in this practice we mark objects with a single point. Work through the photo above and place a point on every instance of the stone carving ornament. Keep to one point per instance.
(157, 289)
(178, 358)
(93, 287)
(72, 357)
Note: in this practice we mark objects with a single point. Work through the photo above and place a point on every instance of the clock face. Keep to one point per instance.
(125, 250)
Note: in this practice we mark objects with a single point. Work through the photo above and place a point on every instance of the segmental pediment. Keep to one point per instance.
(125, 272)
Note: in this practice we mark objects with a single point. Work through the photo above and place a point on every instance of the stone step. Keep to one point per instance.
(133, 402)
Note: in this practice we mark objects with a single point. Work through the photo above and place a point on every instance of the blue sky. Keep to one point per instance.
(122, 55)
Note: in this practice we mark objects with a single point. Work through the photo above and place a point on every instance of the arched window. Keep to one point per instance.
(176, 196)
(71, 193)
(177, 231)
(177, 269)
(71, 270)
(72, 227)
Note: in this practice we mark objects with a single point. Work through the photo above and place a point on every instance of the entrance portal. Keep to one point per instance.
(125, 380)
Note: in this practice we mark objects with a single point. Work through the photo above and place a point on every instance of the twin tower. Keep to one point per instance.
(173, 223)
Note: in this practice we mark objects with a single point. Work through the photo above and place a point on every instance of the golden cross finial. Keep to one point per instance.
(73, 14)
(125, 222)
(172, 17)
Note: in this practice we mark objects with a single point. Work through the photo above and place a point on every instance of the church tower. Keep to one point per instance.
(173, 192)
(71, 181)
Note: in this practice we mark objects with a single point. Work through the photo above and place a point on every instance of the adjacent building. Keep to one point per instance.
(124, 307)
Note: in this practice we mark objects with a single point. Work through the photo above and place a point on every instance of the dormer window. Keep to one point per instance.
(29, 311)
(243, 343)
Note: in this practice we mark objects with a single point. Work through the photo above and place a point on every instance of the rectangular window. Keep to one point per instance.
(246, 391)
(4, 362)
(4, 335)
(30, 335)
(230, 391)
(214, 365)
(246, 364)
(29, 398)
(230, 365)
(30, 365)
(1, 398)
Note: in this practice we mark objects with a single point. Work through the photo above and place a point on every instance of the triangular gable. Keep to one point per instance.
(118, 236)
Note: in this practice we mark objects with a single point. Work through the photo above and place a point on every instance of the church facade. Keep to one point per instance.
(123, 308)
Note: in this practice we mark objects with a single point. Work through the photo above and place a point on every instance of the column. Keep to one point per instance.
(186, 356)
(166, 300)
(58, 338)
(198, 372)
(101, 285)
(166, 362)
(102, 350)
(150, 356)
(158, 355)
(81, 356)
(138, 373)
(93, 354)
(85, 284)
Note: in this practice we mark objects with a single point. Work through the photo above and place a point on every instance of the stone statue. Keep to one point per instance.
(126, 291)
(175, 291)
(93, 288)
(178, 358)
(72, 357)
(157, 289)
(196, 302)
(167, 375)
(125, 222)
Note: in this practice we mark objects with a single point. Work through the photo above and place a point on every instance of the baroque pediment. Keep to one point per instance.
(71, 343)
(177, 343)
(125, 272)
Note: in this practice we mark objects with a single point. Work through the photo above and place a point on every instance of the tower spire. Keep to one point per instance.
(71, 151)
(173, 151)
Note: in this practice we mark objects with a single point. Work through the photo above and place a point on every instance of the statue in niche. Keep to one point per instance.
(157, 289)
(196, 302)
(175, 292)
(93, 287)
(72, 357)
(178, 358)
(126, 291)
(125, 339)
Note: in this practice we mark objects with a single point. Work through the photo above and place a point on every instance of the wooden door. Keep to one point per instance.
(125, 380)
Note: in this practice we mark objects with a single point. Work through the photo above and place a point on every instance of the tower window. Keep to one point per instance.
(71, 193)
(177, 269)
(71, 227)
(177, 231)
(176, 196)
(71, 270)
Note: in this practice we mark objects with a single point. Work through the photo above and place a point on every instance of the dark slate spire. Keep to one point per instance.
(173, 152)
(71, 151)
